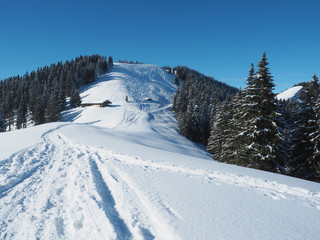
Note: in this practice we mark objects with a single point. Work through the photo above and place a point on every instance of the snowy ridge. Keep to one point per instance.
(289, 93)
(123, 172)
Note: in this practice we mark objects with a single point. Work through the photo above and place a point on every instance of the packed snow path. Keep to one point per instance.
(125, 173)
(62, 190)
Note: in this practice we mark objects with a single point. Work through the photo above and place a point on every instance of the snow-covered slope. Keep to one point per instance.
(290, 93)
(123, 172)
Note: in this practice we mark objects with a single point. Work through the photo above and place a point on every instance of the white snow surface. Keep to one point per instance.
(124, 172)
(289, 93)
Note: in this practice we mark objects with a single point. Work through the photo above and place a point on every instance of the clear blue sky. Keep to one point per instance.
(218, 38)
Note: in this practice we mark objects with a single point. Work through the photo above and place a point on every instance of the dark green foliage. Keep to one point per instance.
(302, 147)
(110, 62)
(2, 122)
(316, 141)
(219, 131)
(22, 114)
(41, 95)
(102, 66)
(176, 81)
(245, 130)
(304, 154)
(75, 100)
(52, 112)
(195, 100)
(39, 111)
(265, 137)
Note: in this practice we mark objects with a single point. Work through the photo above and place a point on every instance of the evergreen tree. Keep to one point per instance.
(219, 132)
(39, 112)
(102, 66)
(316, 144)
(265, 137)
(8, 108)
(2, 121)
(75, 100)
(282, 120)
(176, 81)
(249, 134)
(80, 74)
(38, 87)
(194, 101)
(90, 74)
(304, 150)
(235, 142)
(22, 114)
(53, 109)
(110, 62)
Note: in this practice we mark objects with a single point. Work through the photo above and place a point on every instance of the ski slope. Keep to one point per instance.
(123, 172)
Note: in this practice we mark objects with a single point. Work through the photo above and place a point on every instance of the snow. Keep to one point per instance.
(289, 93)
(124, 172)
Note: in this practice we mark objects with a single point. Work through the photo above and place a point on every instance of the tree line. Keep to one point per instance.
(40, 96)
(251, 127)
(196, 101)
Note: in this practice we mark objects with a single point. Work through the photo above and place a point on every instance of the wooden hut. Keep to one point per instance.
(103, 104)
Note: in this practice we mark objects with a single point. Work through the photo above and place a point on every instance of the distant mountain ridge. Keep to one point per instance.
(291, 93)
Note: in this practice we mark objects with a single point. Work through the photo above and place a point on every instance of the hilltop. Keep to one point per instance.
(124, 172)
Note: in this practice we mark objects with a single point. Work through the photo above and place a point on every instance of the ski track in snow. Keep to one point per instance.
(57, 193)
(65, 191)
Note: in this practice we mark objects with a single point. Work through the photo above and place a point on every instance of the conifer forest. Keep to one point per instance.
(250, 127)
(247, 127)
(40, 96)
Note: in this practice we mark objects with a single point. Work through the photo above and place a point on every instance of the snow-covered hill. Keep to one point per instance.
(123, 172)
(291, 93)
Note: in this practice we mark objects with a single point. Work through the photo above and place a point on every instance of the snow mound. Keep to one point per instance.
(289, 93)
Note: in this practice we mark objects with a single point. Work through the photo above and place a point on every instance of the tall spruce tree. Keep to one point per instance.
(249, 134)
(39, 111)
(110, 62)
(52, 112)
(220, 132)
(236, 139)
(2, 121)
(316, 143)
(283, 123)
(246, 117)
(75, 100)
(265, 137)
(22, 114)
(304, 162)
